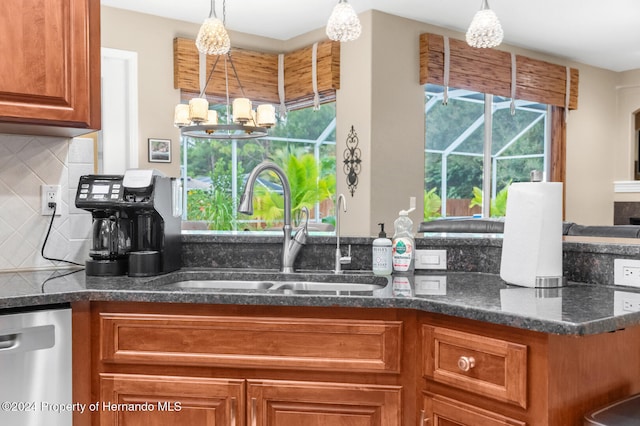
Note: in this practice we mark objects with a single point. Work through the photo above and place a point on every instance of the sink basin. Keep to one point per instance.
(316, 286)
(284, 286)
(223, 284)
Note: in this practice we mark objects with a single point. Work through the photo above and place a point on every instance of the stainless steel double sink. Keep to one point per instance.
(274, 282)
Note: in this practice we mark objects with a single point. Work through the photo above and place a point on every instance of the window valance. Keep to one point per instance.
(258, 73)
(489, 71)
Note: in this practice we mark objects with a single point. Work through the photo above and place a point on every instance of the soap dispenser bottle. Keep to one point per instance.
(382, 256)
(403, 246)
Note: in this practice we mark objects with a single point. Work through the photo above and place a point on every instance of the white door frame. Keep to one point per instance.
(118, 139)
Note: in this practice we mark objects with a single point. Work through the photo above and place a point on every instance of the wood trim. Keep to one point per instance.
(247, 342)
(558, 154)
(80, 340)
(489, 71)
(258, 74)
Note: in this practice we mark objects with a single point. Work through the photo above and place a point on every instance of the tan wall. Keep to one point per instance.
(381, 97)
(152, 37)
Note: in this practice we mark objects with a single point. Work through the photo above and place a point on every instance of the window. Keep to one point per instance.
(216, 170)
(463, 162)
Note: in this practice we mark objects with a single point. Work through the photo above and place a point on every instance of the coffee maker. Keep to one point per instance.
(136, 223)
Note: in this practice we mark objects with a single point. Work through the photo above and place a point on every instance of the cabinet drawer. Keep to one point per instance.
(252, 342)
(490, 367)
(442, 411)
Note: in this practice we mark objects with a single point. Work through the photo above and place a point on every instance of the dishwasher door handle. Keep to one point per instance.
(27, 339)
(8, 341)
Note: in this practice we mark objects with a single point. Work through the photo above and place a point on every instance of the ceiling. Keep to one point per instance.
(605, 34)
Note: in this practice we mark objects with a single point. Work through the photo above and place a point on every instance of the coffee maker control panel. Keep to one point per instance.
(93, 189)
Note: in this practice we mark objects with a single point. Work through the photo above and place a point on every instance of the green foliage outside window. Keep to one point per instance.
(210, 158)
(307, 188)
(432, 204)
(498, 205)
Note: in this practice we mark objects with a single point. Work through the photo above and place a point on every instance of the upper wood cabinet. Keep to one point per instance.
(50, 68)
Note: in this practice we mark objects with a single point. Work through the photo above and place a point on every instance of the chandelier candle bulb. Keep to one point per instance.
(212, 117)
(266, 115)
(181, 115)
(198, 109)
(242, 110)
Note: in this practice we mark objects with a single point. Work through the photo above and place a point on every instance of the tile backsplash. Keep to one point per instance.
(26, 163)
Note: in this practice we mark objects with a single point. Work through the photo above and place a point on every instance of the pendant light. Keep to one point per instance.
(343, 24)
(213, 38)
(485, 30)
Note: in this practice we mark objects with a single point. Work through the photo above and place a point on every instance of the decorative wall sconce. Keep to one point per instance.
(352, 159)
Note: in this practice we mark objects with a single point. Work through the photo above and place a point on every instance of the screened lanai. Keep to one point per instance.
(486, 142)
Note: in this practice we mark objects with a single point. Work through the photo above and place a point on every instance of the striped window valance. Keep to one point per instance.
(489, 71)
(258, 74)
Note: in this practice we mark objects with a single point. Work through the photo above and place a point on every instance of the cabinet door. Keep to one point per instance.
(288, 403)
(140, 400)
(442, 411)
(50, 71)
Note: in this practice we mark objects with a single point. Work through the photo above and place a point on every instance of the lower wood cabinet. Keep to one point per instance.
(160, 365)
(283, 403)
(182, 364)
(147, 400)
(131, 399)
(442, 411)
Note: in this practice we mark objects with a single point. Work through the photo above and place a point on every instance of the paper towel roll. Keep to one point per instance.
(532, 245)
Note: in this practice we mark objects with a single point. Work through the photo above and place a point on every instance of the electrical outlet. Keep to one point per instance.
(626, 272)
(625, 302)
(50, 194)
(431, 259)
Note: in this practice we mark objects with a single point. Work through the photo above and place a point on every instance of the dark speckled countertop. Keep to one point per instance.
(576, 309)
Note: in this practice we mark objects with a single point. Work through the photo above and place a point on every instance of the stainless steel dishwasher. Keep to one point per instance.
(35, 368)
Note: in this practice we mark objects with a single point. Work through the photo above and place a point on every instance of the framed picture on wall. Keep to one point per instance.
(159, 150)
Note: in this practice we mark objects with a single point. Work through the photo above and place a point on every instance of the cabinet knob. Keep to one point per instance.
(466, 363)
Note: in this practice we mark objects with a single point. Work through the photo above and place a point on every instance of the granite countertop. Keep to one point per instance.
(575, 309)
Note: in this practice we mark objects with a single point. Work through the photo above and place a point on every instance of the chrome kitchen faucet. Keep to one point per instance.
(291, 245)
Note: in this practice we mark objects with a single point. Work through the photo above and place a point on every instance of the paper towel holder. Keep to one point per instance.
(550, 282)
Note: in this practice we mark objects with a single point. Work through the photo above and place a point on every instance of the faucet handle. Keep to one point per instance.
(302, 230)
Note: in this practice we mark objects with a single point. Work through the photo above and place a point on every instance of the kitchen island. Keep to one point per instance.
(457, 347)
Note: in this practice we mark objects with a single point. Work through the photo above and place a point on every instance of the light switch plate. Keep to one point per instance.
(431, 259)
(431, 285)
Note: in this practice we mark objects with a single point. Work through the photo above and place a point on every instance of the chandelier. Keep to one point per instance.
(485, 30)
(343, 24)
(197, 120)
